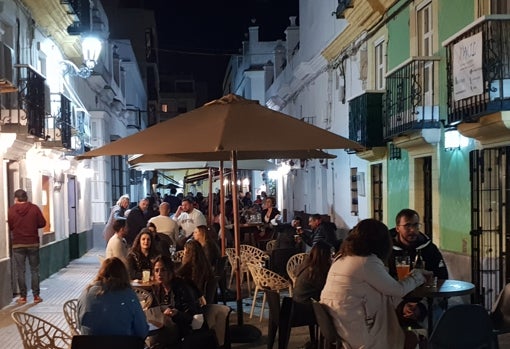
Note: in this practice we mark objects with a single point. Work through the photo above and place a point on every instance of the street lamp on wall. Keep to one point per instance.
(454, 140)
(91, 49)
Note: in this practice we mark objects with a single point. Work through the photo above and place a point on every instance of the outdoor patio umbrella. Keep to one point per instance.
(257, 164)
(228, 129)
(175, 161)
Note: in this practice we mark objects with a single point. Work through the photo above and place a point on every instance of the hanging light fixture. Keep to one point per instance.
(91, 49)
(91, 43)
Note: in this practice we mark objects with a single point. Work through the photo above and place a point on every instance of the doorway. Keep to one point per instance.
(490, 238)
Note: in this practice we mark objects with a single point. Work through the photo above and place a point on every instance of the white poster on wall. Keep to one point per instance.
(467, 67)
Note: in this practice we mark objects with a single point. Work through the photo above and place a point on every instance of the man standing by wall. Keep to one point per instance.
(24, 220)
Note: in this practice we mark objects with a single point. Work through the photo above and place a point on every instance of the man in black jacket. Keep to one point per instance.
(320, 231)
(409, 241)
(136, 220)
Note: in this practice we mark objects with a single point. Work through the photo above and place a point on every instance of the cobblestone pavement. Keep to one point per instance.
(69, 282)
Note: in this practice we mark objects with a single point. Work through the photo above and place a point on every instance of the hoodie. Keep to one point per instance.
(430, 253)
(24, 220)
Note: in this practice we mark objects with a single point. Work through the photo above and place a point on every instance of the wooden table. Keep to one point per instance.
(251, 229)
(443, 289)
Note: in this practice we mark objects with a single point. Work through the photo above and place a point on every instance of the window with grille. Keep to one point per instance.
(377, 191)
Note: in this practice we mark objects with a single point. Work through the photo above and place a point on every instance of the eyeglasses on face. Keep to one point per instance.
(411, 225)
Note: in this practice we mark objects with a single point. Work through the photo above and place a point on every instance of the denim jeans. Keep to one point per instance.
(20, 256)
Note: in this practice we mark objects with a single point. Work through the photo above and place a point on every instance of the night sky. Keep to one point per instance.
(197, 37)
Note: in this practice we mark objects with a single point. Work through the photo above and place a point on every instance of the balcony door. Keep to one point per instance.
(490, 233)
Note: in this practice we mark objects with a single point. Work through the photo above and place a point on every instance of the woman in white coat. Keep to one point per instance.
(361, 295)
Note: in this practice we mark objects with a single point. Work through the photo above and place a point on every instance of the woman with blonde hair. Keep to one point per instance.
(109, 306)
(118, 211)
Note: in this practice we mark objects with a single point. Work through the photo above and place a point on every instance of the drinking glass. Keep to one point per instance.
(403, 266)
(146, 275)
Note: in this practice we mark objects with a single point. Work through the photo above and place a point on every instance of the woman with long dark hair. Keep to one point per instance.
(109, 306)
(310, 279)
(361, 295)
(178, 302)
(202, 235)
(142, 254)
(311, 274)
(195, 267)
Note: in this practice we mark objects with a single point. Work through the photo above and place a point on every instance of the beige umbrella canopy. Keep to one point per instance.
(231, 123)
(211, 159)
(229, 128)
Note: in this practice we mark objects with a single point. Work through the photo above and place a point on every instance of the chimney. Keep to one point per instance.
(254, 35)
(292, 37)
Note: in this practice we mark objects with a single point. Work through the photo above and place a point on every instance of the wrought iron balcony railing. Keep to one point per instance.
(495, 59)
(24, 111)
(365, 119)
(58, 125)
(411, 99)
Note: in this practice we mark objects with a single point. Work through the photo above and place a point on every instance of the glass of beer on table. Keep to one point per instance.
(403, 266)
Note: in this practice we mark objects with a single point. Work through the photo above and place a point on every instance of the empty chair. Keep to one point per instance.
(221, 276)
(273, 302)
(107, 342)
(292, 265)
(217, 318)
(70, 309)
(279, 258)
(266, 279)
(270, 245)
(464, 326)
(145, 297)
(252, 254)
(232, 259)
(282, 318)
(37, 333)
(329, 335)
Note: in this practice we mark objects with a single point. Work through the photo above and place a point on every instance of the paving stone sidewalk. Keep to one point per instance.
(69, 282)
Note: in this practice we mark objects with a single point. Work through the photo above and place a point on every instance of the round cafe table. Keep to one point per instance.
(143, 285)
(443, 289)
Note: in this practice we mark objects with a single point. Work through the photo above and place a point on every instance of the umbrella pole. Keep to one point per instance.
(241, 333)
(222, 211)
(210, 199)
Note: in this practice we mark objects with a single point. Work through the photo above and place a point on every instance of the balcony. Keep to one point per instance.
(24, 112)
(482, 111)
(58, 128)
(365, 124)
(410, 104)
